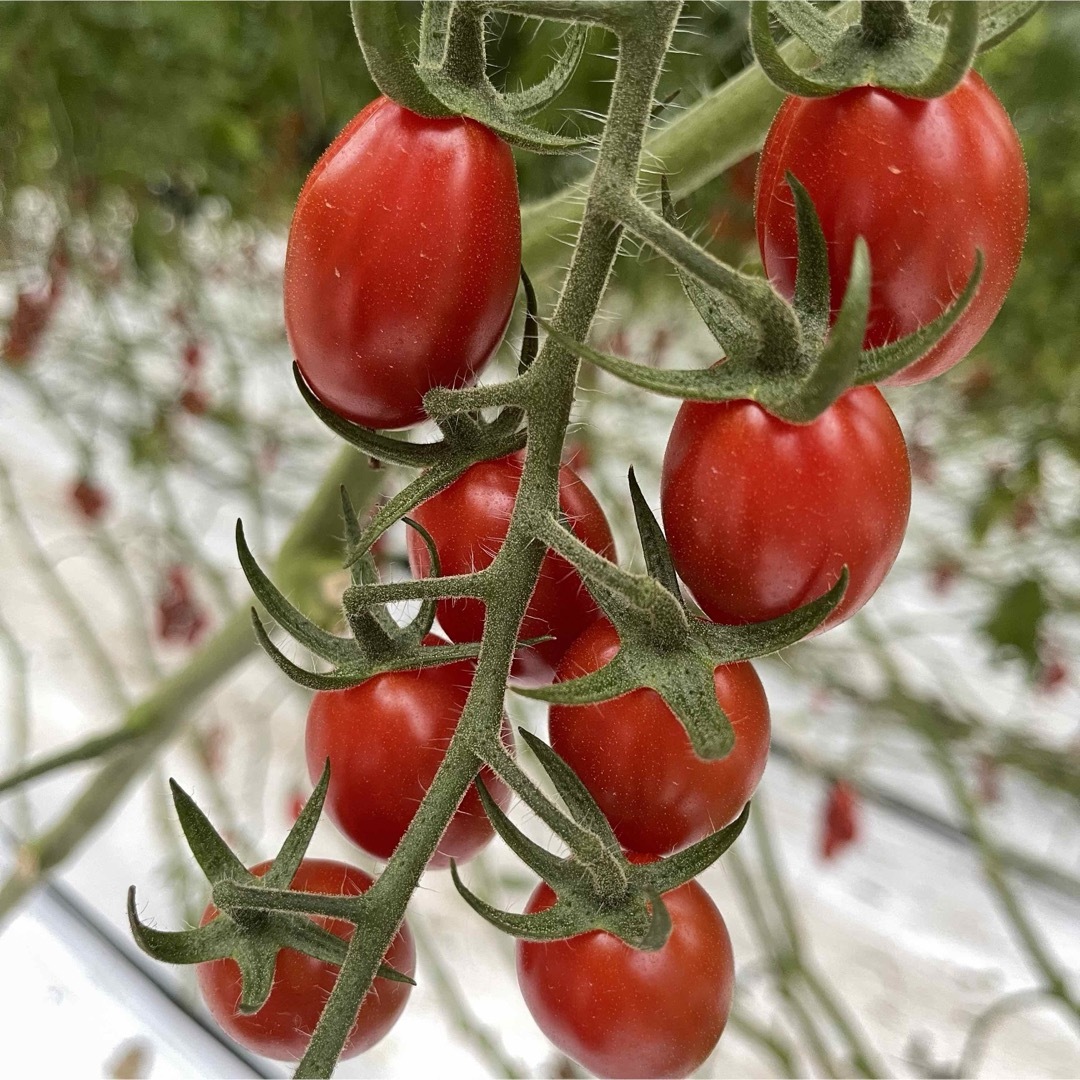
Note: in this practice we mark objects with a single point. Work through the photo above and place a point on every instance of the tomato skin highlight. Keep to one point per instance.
(385, 740)
(761, 515)
(403, 261)
(468, 522)
(926, 183)
(635, 757)
(282, 1028)
(621, 1012)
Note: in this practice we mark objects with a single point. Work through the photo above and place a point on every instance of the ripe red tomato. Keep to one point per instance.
(622, 1012)
(761, 515)
(468, 522)
(635, 757)
(282, 1027)
(403, 262)
(386, 739)
(926, 183)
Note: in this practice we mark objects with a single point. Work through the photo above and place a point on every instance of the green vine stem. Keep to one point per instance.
(719, 130)
(643, 44)
(18, 670)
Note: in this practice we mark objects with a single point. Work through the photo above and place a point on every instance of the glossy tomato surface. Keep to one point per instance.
(403, 262)
(622, 1012)
(925, 182)
(468, 522)
(385, 740)
(761, 515)
(282, 1027)
(635, 757)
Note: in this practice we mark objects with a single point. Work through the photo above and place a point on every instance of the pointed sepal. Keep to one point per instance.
(294, 848)
(885, 360)
(213, 855)
(654, 545)
(321, 642)
(684, 866)
(372, 443)
(536, 98)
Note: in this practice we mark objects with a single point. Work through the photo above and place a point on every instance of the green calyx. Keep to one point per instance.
(248, 928)
(784, 356)
(662, 646)
(612, 893)
(896, 44)
(450, 77)
(377, 644)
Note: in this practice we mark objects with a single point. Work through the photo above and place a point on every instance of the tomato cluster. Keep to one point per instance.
(761, 515)
(401, 272)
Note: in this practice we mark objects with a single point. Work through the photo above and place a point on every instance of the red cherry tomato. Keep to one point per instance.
(926, 183)
(386, 739)
(761, 515)
(622, 1012)
(468, 522)
(283, 1026)
(403, 262)
(635, 757)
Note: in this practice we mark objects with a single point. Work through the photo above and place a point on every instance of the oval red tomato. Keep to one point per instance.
(385, 740)
(761, 515)
(283, 1026)
(468, 522)
(635, 757)
(622, 1012)
(403, 262)
(926, 183)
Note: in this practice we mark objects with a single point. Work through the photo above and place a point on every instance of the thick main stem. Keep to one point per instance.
(642, 48)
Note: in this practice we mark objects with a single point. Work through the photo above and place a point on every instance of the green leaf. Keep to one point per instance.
(1016, 621)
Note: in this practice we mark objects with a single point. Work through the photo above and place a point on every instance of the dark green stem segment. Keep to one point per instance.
(885, 21)
(388, 60)
(643, 43)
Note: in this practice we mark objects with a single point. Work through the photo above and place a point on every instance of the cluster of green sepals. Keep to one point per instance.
(895, 44)
(783, 355)
(248, 929)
